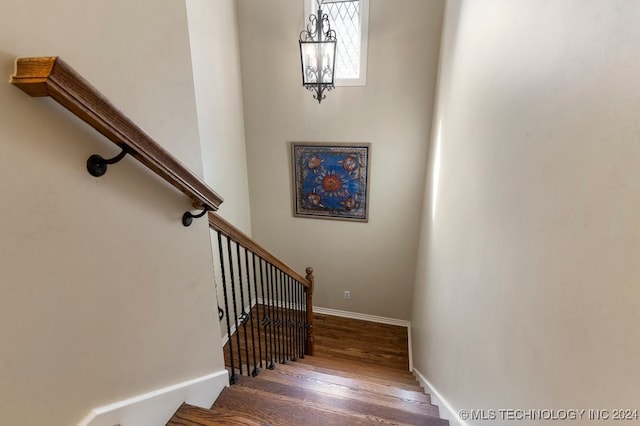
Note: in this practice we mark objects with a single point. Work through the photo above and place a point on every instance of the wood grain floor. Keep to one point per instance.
(363, 341)
(335, 337)
(358, 376)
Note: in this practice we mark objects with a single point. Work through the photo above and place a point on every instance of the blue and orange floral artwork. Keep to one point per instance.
(331, 180)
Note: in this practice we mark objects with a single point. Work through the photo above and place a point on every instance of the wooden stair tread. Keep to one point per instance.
(406, 382)
(280, 410)
(368, 370)
(351, 369)
(381, 377)
(374, 356)
(412, 405)
(359, 342)
(356, 399)
(189, 415)
(360, 383)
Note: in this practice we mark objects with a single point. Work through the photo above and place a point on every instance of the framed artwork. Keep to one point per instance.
(331, 180)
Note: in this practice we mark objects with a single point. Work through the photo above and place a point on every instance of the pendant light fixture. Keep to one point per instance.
(318, 54)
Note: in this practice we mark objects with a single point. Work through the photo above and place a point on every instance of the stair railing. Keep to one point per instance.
(51, 76)
(268, 306)
(258, 288)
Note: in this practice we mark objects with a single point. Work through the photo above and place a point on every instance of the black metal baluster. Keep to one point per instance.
(278, 319)
(294, 287)
(279, 312)
(283, 304)
(282, 322)
(244, 316)
(255, 370)
(292, 355)
(274, 319)
(305, 329)
(274, 303)
(296, 318)
(285, 307)
(294, 284)
(299, 325)
(267, 319)
(303, 303)
(288, 311)
(234, 378)
(292, 321)
(285, 315)
(269, 322)
(235, 307)
(255, 289)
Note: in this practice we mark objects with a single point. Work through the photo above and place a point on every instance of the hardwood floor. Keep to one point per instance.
(335, 338)
(358, 376)
(362, 341)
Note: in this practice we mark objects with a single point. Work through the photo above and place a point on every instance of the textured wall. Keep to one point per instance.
(527, 286)
(376, 260)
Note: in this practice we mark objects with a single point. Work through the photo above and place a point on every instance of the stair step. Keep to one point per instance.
(413, 405)
(378, 376)
(365, 408)
(280, 410)
(359, 384)
(189, 415)
(406, 381)
(368, 370)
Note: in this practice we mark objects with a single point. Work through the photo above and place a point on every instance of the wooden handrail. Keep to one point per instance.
(50, 76)
(217, 223)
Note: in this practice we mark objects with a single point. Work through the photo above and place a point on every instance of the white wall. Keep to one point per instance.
(105, 295)
(213, 32)
(376, 260)
(527, 292)
(215, 55)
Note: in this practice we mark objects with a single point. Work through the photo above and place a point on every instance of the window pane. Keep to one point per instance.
(345, 20)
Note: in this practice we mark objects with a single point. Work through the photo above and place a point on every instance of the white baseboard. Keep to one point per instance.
(334, 312)
(157, 407)
(364, 317)
(446, 409)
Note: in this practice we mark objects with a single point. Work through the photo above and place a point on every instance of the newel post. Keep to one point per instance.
(309, 342)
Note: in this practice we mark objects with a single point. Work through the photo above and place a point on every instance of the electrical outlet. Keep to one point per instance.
(347, 294)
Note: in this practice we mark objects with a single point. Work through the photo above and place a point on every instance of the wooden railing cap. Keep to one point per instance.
(218, 223)
(51, 76)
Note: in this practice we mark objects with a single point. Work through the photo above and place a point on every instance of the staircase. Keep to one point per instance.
(358, 376)
(318, 391)
(261, 300)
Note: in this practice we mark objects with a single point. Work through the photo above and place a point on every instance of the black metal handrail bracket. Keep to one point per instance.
(51, 76)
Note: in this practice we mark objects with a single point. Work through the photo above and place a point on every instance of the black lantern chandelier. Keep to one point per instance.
(318, 54)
